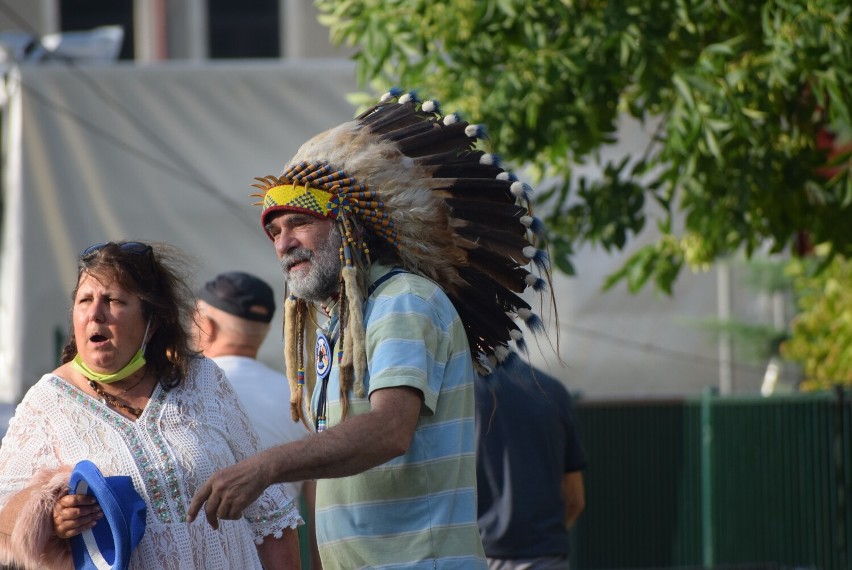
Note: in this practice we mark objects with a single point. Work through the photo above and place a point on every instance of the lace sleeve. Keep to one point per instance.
(274, 510)
(31, 479)
(29, 445)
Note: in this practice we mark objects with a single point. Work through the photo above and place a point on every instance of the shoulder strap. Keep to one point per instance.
(383, 278)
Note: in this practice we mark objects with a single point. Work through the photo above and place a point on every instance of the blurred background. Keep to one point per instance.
(690, 159)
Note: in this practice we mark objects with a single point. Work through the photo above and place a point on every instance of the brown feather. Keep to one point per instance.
(502, 243)
(411, 130)
(489, 217)
(486, 328)
(509, 274)
(451, 164)
(490, 290)
(436, 140)
(490, 189)
(391, 117)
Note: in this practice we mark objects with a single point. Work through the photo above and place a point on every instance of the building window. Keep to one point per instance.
(243, 29)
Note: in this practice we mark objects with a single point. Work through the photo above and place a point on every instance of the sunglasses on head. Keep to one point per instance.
(136, 247)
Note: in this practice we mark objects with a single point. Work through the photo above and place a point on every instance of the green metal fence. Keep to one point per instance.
(717, 482)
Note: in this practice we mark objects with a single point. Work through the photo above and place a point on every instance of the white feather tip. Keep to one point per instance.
(521, 190)
(473, 131)
(502, 353)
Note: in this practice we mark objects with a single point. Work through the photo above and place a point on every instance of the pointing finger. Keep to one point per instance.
(210, 510)
(200, 497)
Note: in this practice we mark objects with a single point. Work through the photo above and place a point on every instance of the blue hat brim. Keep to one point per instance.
(109, 544)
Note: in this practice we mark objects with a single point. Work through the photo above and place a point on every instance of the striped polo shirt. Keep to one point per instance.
(417, 510)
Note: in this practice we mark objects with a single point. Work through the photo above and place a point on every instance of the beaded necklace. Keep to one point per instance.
(111, 400)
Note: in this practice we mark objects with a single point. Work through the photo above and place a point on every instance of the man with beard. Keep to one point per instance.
(377, 227)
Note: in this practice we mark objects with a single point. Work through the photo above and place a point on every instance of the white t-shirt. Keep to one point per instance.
(265, 395)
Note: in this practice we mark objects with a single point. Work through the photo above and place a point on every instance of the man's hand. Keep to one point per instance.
(227, 492)
(73, 514)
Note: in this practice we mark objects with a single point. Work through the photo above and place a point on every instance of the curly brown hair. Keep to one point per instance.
(157, 274)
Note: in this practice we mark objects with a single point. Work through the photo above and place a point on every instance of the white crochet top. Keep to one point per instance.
(182, 437)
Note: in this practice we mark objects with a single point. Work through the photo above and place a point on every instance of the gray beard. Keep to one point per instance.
(320, 281)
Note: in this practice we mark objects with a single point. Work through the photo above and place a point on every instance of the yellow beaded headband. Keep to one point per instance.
(314, 189)
(302, 198)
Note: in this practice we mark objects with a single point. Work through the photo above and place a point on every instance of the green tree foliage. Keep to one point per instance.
(737, 94)
(821, 337)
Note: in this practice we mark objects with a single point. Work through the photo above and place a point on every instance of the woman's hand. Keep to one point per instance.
(72, 514)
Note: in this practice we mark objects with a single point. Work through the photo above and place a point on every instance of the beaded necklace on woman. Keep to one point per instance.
(115, 401)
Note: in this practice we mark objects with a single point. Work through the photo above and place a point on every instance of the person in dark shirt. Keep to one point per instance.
(529, 468)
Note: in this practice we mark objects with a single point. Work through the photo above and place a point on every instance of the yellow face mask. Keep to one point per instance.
(137, 362)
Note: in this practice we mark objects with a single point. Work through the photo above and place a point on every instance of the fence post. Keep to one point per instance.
(707, 549)
(840, 475)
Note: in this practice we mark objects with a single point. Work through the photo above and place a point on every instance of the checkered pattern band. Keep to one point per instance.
(299, 198)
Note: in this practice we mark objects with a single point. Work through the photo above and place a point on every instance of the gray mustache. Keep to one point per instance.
(295, 256)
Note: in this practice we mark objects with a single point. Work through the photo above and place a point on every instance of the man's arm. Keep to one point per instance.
(573, 495)
(353, 446)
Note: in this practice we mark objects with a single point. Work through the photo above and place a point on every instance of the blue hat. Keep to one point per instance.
(107, 545)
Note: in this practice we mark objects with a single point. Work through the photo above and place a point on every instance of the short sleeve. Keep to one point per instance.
(408, 344)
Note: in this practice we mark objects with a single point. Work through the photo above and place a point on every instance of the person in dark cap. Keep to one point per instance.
(240, 294)
(233, 315)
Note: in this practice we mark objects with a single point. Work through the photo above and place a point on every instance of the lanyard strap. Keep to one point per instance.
(382, 279)
(322, 401)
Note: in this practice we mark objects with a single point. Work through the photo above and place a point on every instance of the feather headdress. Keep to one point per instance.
(406, 175)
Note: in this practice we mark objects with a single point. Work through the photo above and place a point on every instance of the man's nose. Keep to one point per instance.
(285, 242)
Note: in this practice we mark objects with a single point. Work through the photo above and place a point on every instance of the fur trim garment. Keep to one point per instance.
(30, 543)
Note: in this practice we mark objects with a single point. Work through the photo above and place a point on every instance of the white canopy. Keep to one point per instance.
(168, 152)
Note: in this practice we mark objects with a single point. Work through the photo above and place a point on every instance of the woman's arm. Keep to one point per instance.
(281, 553)
(27, 529)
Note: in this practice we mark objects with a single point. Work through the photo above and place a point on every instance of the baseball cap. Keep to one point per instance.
(109, 544)
(240, 294)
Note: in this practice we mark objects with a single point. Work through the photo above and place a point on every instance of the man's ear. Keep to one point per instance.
(208, 327)
(212, 328)
(205, 329)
